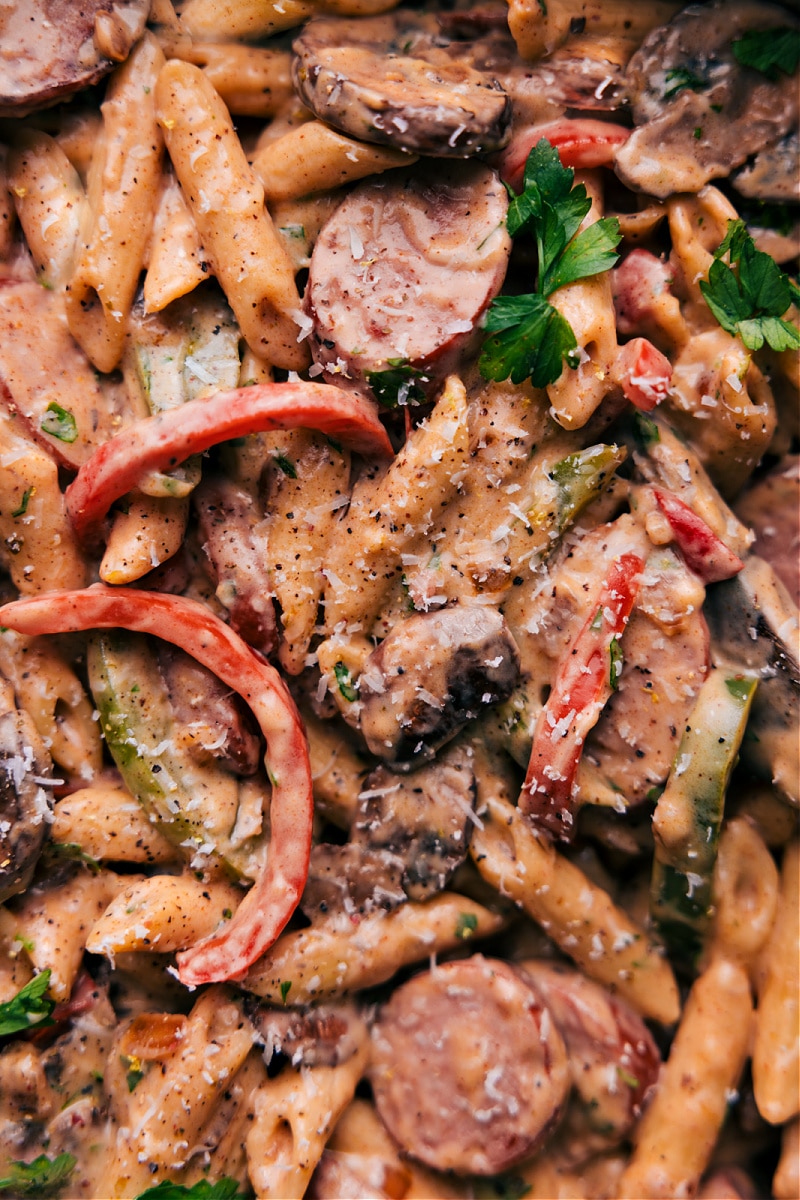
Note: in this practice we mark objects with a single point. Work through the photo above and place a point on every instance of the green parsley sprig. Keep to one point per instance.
(769, 51)
(42, 1177)
(222, 1189)
(529, 338)
(750, 295)
(29, 1007)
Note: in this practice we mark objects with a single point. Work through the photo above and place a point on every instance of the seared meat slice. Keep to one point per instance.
(424, 818)
(214, 720)
(613, 1058)
(434, 672)
(309, 1037)
(382, 80)
(402, 272)
(493, 1062)
(236, 549)
(700, 113)
(52, 48)
(24, 804)
(351, 881)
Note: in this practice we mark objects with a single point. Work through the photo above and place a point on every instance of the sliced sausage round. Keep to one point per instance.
(380, 79)
(54, 47)
(25, 807)
(613, 1057)
(469, 1070)
(403, 270)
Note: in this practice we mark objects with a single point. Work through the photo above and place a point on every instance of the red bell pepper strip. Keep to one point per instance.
(163, 441)
(643, 373)
(583, 142)
(704, 552)
(273, 897)
(586, 678)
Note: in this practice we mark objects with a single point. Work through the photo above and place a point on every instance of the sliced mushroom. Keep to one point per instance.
(309, 1037)
(771, 507)
(402, 272)
(235, 546)
(382, 79)
(52, 48)
(754, 628)
(24, 804)
(700, 113)
(351, 881)
(434, 672)
(214, 721)
(773, 174)
(424, 818)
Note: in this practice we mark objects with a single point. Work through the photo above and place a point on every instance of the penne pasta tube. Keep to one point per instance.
(49, 200)
(53, 696)
(109, 825)
(745, 893)
(316, 963)
(315, 157)
(164, 913)
(228, 20)
(776, 1050)
(227, 202)
(145, 534)
(121, 194)
(579, 916)
(176, 263)
(676, 1136)
(253, 81)
(293, 1117)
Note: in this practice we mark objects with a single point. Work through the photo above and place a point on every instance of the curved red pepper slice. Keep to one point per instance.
(273, 897)
(163, 441)
(704, 552)
(585, 679)
(581, 142)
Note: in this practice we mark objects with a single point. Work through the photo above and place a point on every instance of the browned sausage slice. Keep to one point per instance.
(381, 80)
(469, 1070)
(403, 270)
(54, 47)
(613, 1058)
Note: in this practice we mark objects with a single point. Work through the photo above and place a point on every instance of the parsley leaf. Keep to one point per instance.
(750, 296)
(531, 339)
(680, 78)
(769, 51)
(528, 337)
(223, 1189)
(399, 386)
(41, 1177)
(344, 680)
(29, 1007)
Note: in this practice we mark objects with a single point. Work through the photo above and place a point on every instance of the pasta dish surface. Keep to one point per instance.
(398, 599)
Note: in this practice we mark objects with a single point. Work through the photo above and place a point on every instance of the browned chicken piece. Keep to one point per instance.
(352, 880)
(309, 1037)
